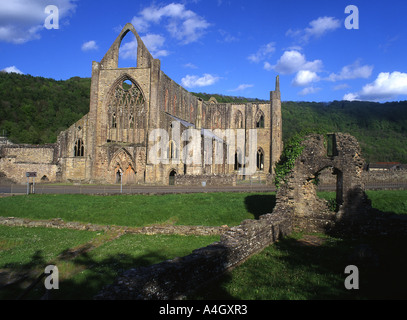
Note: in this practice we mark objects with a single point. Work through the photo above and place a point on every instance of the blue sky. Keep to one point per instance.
(230, 47)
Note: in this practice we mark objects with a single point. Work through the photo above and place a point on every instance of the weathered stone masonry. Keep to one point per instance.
(297, 208)
(126, 105)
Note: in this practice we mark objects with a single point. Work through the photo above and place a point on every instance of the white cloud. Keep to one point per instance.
(23, 20)
(352, 71)
(195, 81)
(153, 42)
(308, 90)
(316, 29)
(267, 66)
(242, 87)
(12, 69)
(387, 86)
(293, 61)
(183, 25)
(305, 77)
(90, 45)
(321, 26)
(350, 97)
(263, 53)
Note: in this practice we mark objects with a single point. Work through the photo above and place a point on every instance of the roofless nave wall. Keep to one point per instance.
(143, 127)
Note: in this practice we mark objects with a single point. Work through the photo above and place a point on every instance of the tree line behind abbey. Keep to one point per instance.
(34, 110)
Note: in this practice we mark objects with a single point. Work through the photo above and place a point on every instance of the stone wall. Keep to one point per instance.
(326, 177)
(17, 160)
(297, 208)
(175, 278)
(209, 180)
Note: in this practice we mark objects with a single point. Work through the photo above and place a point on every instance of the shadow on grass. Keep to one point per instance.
(298, 269)
(260, 204)
(84, 276)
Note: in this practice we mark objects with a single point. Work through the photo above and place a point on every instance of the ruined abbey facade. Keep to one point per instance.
(122, 138)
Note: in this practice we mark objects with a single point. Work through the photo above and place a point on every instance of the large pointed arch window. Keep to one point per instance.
(126, 112)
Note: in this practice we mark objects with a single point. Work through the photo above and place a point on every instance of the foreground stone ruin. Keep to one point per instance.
(297, 209)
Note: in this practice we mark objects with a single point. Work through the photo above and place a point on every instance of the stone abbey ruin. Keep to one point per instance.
(114, 139)
(127, 106)
(298, 208)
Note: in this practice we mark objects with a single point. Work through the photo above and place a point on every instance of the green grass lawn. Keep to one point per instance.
(294, 269)
(208, 209)
(286, 270)
(30, 250)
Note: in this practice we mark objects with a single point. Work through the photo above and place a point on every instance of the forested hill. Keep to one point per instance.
(34, 110)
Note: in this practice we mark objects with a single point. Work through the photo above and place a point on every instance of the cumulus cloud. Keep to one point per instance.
(90, 45)
(23, 20)
(263, 53)
(316, 29)
(192, 81)
(352, 71)
(12, 69)
(182, 24)
(304, 78)
(387, 86)
(293, 61)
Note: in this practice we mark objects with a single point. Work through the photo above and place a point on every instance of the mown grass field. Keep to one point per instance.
(293, 268)
(208, 209)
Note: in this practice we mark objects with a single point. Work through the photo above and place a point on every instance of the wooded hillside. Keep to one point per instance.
(34, 110)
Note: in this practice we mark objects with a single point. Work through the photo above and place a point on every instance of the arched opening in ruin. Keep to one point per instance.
(44, 179)
(260, 120)
(118, 174)
(172, 177)
(260, 159)
(128, 51)
(329, 182)
(79, 149)
(127, 84)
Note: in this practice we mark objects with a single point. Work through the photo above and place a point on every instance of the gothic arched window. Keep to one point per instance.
(79, 149)
(260, 120)
(260, 160)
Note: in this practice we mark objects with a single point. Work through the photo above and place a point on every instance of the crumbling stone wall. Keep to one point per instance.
(351, 212)
(175, 278)
(297, 208)
(16, 160)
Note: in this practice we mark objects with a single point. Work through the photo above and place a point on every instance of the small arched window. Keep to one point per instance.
(114, 120)
(238, 160)
(260, 121)
(79, 149)
(260, 160)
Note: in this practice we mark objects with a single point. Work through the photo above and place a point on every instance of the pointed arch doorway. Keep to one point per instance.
(123, 166)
